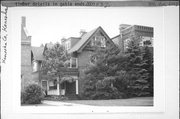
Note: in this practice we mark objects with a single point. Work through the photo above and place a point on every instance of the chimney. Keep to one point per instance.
(23, 21)
(63, 40)
(82, 32)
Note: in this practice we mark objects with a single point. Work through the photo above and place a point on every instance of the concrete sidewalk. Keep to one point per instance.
(60, 103)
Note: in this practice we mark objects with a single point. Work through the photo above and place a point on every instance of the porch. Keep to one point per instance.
(61, 85)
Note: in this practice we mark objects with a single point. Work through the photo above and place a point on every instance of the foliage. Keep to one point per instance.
(101, 77)
(140, 70)
(55, 58)
(120, 75)
(56, 98)
(32, 94)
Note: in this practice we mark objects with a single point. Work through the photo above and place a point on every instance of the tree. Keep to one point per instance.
(102, 77)
(140, 68)
(120, 75)
(147, 55)
(54, 59)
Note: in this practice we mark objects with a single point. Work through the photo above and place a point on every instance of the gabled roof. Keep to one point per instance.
(37, 53)
(85, 38)
(115, 37)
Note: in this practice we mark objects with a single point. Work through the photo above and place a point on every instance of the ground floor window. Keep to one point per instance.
(53, 85)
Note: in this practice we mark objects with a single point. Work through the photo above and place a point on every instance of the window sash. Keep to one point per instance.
(73, 63)
(98, 41)
(53, 86)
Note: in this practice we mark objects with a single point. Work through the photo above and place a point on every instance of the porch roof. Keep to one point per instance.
(69, 79)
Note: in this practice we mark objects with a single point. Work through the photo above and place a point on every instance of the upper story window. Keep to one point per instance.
(72, 63)
(67, 45)
(146, 41)
(35, 66)
(93, 59)
(99, 41)
(126, 43)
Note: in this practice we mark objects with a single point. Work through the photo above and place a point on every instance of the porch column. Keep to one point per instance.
(70, 62)
(77, 87)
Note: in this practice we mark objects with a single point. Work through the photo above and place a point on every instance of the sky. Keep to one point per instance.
(48, 24)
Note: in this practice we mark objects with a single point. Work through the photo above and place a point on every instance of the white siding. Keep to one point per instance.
(54, 92)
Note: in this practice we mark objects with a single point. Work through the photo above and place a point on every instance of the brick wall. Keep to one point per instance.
(26, 67)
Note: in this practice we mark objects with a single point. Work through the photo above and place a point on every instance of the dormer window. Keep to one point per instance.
(98, 41)
(67, 45)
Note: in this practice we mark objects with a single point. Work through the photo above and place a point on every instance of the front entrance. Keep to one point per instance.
(68, 88)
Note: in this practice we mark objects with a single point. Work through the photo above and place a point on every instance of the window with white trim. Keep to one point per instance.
(35, 66)
(53, 85)
(67, 45)
(99, 41)
(72, 62)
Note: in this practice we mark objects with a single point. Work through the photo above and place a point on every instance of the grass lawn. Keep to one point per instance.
(139, 101)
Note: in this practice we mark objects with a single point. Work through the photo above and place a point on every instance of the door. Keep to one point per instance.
(70, 88)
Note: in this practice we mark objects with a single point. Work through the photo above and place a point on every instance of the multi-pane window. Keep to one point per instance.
(67, 45)
(72, 63)
(53, 85)
(98, 41)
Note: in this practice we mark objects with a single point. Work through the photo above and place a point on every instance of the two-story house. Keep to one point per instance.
(81, 50)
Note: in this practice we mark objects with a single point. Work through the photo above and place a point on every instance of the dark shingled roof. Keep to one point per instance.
(37, 53)
(84, 38)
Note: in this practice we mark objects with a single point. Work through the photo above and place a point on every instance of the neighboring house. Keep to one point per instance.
(26, 68)
(31, 58)
(144, 34)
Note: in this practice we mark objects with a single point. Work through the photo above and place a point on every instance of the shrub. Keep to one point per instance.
(55, 98)
(33, 94)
